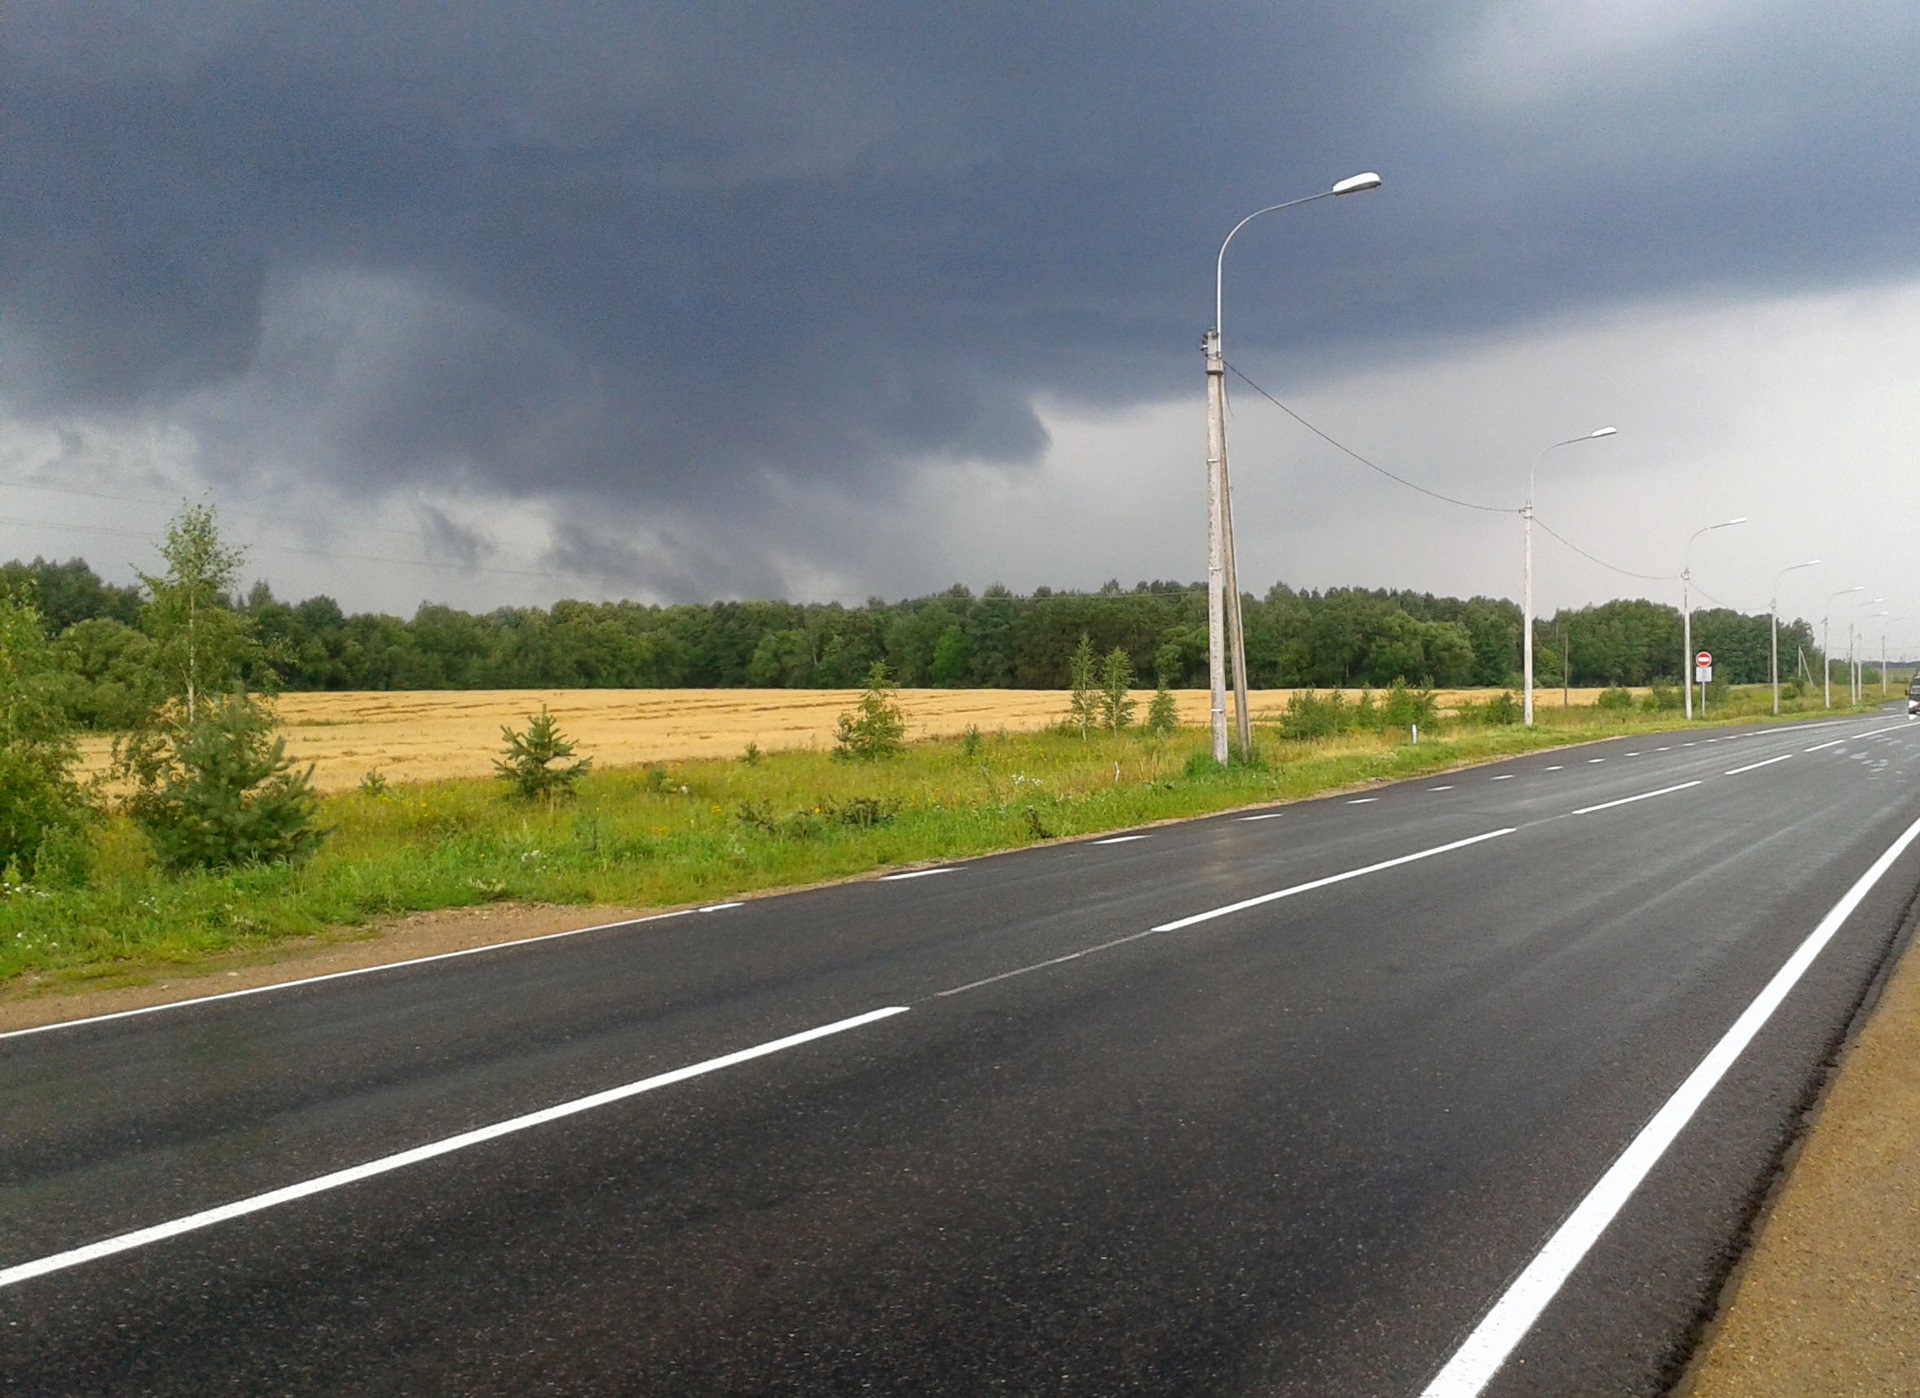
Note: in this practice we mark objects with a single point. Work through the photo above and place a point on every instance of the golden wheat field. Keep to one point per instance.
(427, 735)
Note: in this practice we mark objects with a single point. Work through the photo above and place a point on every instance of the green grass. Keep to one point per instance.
(700, 831)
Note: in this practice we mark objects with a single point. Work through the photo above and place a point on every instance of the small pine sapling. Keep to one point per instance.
(532, 764)
(875, 730)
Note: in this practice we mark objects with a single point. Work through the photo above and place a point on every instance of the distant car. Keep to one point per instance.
(1913, 696)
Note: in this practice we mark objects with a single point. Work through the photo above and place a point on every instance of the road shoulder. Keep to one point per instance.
(31, 1002)
(1827, 1300)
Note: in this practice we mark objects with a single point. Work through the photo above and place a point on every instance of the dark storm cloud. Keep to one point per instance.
(652, 253)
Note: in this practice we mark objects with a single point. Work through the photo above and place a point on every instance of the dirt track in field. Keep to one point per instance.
(428, 735)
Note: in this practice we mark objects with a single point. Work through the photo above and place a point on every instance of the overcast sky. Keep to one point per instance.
(495, 304)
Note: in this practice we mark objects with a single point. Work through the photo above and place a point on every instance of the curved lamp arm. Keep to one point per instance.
(1352, 184)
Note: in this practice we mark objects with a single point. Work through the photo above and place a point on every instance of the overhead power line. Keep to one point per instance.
(1342, 447)
(1348, 451)
(1610, 567)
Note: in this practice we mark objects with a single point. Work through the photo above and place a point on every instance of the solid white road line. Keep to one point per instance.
(719, 907)
(913, 874)
(1629, 800)
(357, 971)
(1477, 1360)
(1120, 840)
(1751, 766)
(1246, 903)
(206, 1218)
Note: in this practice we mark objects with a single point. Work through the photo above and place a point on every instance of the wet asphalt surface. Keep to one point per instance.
(1296, 1148)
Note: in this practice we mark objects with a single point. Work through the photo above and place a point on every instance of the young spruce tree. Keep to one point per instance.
(529, 765)
(877, 728)
(213, 785)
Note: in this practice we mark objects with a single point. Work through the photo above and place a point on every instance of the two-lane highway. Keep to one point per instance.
(1382, 1091)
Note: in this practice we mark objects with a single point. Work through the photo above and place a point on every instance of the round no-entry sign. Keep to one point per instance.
(1704, 659)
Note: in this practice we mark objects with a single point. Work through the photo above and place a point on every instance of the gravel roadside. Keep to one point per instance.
(1827, 1300)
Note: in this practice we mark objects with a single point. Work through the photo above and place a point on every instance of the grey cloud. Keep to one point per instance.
(645, 256)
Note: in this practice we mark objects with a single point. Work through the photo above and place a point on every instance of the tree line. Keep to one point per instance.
(103, 637)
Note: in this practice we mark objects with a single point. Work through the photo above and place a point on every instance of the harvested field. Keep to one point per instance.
(427, 735)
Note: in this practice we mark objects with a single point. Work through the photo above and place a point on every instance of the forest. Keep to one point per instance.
(957, 638)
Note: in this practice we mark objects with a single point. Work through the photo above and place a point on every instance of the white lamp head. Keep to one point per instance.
(1353, 184)
(1603, 432)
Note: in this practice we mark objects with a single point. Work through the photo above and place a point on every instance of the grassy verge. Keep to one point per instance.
(698, 831)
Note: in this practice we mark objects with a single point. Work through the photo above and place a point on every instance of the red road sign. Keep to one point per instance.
(1704, 658)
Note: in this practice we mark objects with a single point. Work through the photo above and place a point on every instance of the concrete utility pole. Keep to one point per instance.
(1856, 689)
(1774, 608)
(1826, 655)
(1223, 581)
(1216, 539)
(1686, 610)
(1526, 575)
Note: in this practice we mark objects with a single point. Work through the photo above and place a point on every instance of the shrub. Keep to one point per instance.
(875, 730)
(1661, 697)
(221, 790)
(1310, 716)
(38, 796)
(528, 765)
(1501, 710)
(1406, 707)
(1366, 713)
(1163, 716)
(1615, 700)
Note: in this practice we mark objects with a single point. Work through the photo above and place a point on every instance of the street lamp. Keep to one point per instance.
(1774, 607)
(1686, 607)
(1223, 583)
(1826, 655)
(1884, 626)
(1853, 665)
(1526, 588)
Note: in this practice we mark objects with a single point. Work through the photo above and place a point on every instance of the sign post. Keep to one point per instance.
(1703, 676)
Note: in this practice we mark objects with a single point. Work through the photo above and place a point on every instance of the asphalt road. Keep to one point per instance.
(1030, 1124)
